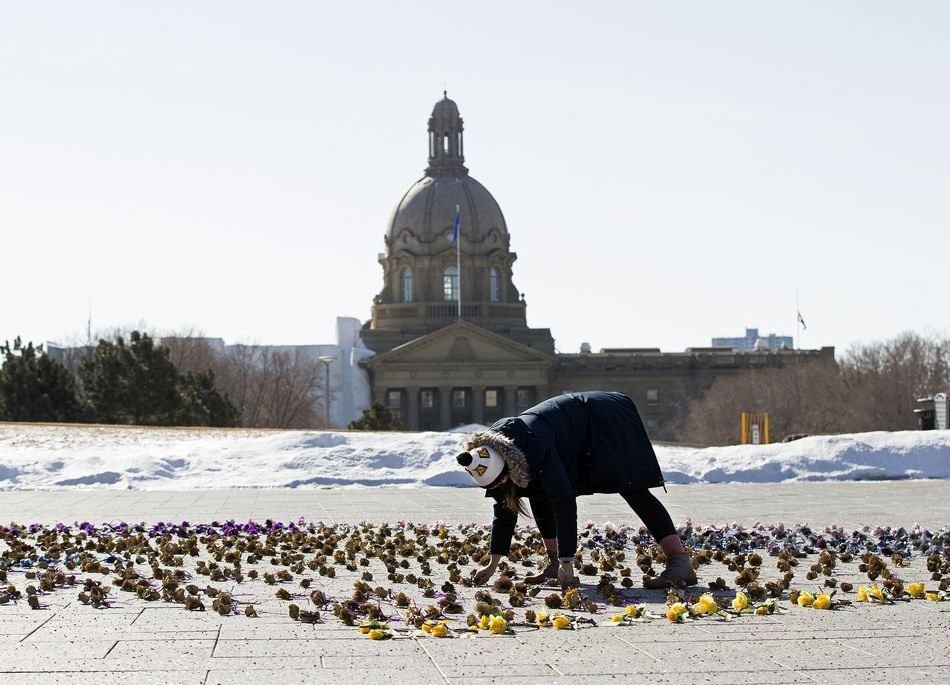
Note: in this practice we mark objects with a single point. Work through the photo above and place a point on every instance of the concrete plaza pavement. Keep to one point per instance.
(155, 642)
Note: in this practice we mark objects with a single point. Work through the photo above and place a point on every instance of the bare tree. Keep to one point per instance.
(886, 378)
(191, 351)
(273, 388)
(873, 387)
(799, 399)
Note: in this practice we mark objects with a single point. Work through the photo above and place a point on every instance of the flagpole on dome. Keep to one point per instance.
(458, 258)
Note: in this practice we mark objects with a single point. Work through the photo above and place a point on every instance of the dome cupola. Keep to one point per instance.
(446, 151)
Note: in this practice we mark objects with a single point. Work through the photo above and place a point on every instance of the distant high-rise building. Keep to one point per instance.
(753, 342)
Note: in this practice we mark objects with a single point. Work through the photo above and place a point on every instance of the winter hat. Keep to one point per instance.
(483, 464)
(503, 457)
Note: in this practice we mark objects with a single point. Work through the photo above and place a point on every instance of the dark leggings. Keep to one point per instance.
(650, 510)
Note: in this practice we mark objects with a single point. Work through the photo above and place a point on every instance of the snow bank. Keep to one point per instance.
(44, 456)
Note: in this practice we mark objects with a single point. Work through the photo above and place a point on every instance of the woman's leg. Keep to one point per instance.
(656, 518)
(679, 570)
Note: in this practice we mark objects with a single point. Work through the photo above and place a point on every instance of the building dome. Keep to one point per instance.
(426, 213)
(425, 216)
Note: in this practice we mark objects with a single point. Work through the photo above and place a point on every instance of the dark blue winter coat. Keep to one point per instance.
(576, 444)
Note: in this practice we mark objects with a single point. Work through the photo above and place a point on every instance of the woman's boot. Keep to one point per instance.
(678, 573)
(547, 573)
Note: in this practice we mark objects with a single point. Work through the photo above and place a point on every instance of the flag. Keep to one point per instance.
(455, 228)
(802, 321)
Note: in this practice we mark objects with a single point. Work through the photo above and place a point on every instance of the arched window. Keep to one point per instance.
(494, 284)
(406, 285)
(450, 284)
(445, 143)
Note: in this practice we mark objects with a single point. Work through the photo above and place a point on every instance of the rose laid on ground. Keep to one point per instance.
(634, 610)
(677, 611)
(706, 605)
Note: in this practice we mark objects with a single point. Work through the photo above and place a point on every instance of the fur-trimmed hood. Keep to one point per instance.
(514, 457)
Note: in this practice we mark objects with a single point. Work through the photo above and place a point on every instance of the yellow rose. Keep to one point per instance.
(862, 595)
(438, 630)
(498, 625)
(485, 622)
(740, 602)
(634, 610)
(761, 611)
(822, 601)
(876, 593)
(916, 589)
(376, 634)
(364, 629)
(616, 618)
(426, 628)
(676, 611)
(561, 622)
(933, 596)
(706, 605)
(805, 599)
(542, 618)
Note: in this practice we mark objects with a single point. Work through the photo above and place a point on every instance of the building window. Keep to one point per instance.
(427, 399)
(494, 282)
(445, 143)
(394, 399)
(406, 281)
(525, 397)
(450, 284)
(653, 396)
(491, 398)
(459, 400)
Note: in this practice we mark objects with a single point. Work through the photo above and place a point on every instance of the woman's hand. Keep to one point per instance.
(565, 574)
(485, 573)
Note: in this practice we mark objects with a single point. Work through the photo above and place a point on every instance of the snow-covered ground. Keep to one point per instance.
(44, 456)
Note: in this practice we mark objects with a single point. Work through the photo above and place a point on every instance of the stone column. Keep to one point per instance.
(478, 404)
(445, 406)
(412, 408)
(511, 395)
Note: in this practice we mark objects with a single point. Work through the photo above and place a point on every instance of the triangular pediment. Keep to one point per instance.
(461, 343)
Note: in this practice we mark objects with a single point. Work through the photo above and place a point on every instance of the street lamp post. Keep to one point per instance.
(327, 360)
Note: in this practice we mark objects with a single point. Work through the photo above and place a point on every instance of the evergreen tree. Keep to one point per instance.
(378, 417)
(203, 405)
(35, 387)
(131, 383)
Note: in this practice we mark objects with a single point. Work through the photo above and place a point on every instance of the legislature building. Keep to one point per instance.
(439, 364)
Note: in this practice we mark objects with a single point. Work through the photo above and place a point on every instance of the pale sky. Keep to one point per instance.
(669, 171)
